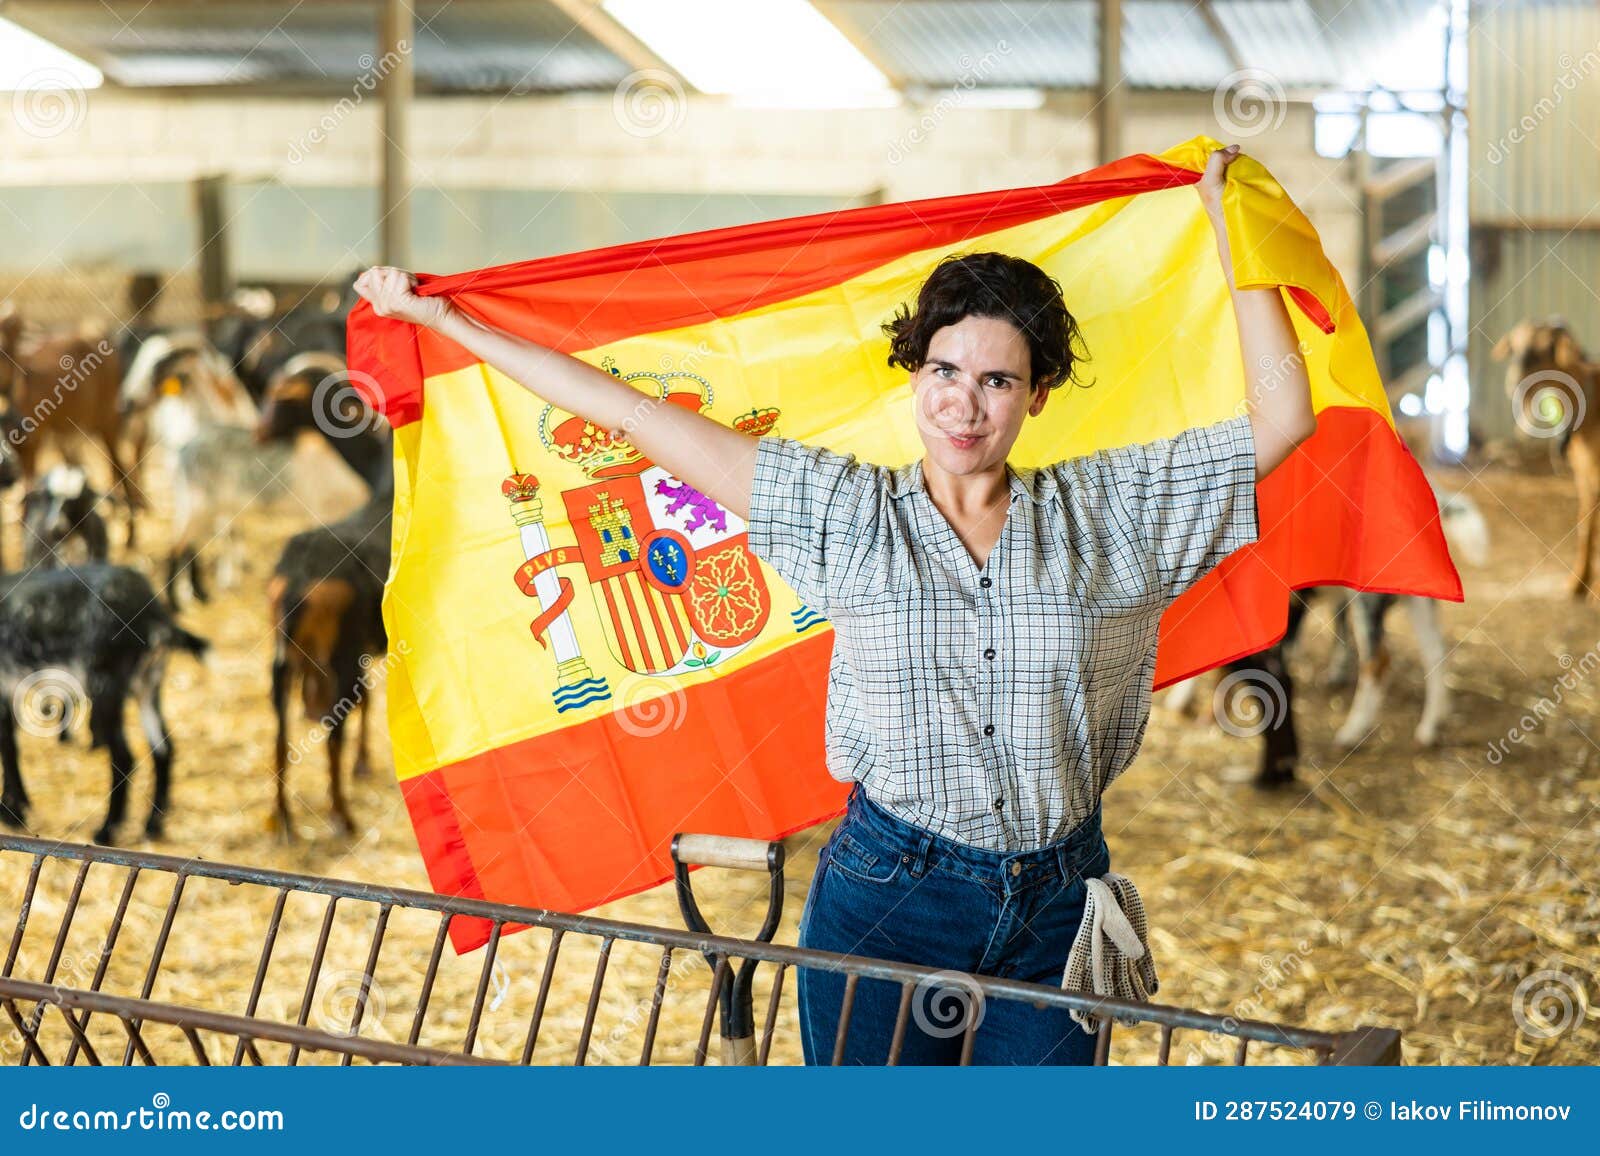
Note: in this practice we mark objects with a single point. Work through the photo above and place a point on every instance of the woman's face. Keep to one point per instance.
(972, 393)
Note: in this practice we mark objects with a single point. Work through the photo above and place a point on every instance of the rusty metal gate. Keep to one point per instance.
(89, 976)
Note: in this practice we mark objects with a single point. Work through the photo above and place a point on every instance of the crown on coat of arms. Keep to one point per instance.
(520, 488)
(604, 454)
(757, 422)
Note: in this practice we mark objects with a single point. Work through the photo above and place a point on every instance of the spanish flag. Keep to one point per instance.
(585, 655)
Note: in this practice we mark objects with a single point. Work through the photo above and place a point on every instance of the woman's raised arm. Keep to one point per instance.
(1277, 386)
(713, 458)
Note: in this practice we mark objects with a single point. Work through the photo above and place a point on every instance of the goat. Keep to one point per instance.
(58, 510)
(199, 413)
(95, 632)
(1553, 389)
(1359, 635)
(61, 508)
(58, 385)
(1254, 695)
(326, 598)
(259, 340)
(1359, 645)
(326, 593)
(313, 391)
(10, 434)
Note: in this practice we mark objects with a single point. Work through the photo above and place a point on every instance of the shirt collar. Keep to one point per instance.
(1037, 485)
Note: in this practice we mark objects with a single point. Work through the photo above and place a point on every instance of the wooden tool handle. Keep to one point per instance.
(724, 851)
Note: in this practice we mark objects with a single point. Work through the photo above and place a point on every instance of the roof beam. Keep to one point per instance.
(860, 40)
(1110, 84)
(1220, 34)
(597, 22)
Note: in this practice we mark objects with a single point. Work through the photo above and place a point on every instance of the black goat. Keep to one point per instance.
(327, 607)
(326, 592)
(61, 507)
(258, 344)
(96, 632)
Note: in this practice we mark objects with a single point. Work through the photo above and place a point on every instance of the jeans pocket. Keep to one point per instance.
(862, 858)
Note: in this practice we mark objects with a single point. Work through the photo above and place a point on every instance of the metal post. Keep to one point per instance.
(395, 42)
(1109, 93)
(216, 278)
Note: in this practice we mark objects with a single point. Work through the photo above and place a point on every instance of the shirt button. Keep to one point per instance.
(1016, 868)
(985, 581)
(989, 653)
(989, 730)
(998, 803)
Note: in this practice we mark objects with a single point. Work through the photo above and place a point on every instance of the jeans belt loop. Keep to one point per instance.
(1068, 855)
(919, 857)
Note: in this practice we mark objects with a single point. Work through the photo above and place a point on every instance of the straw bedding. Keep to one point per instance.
(1444, 892)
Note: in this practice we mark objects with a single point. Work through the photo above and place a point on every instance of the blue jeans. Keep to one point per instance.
(887, 889)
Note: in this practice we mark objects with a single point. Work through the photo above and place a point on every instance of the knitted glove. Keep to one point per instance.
(1111, 954)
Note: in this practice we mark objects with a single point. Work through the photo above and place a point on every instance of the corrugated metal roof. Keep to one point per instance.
(460, 44)
(1166, 43)
(992, 43)
(532, 45)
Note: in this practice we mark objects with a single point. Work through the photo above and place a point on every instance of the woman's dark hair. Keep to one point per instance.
(991, 285)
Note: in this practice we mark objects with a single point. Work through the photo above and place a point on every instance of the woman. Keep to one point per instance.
(995, 628)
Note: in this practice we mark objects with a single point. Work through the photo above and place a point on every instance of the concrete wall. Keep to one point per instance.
(104, 185)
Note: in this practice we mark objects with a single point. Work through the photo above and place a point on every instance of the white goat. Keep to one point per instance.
(197, 411)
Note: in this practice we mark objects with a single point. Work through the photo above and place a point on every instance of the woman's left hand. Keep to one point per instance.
(1210, 186)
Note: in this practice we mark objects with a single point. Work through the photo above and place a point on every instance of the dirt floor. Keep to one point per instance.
(1452, 893)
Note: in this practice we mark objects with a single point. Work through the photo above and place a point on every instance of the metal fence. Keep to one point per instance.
(101, 993)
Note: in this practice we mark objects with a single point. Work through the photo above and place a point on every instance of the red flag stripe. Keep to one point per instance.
(567, 303)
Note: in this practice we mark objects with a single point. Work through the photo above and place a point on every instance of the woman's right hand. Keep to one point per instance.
(393, 293)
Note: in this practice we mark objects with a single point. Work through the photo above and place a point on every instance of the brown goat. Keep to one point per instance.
(1554, 390)
(322, 647)
(58, 386)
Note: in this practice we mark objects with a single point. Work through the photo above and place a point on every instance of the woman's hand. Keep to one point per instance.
(393, 293)
(1210, 186)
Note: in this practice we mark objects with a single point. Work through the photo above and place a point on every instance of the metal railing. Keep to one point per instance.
(62, 1020)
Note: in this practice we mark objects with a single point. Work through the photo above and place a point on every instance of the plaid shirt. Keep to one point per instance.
(993, 705)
